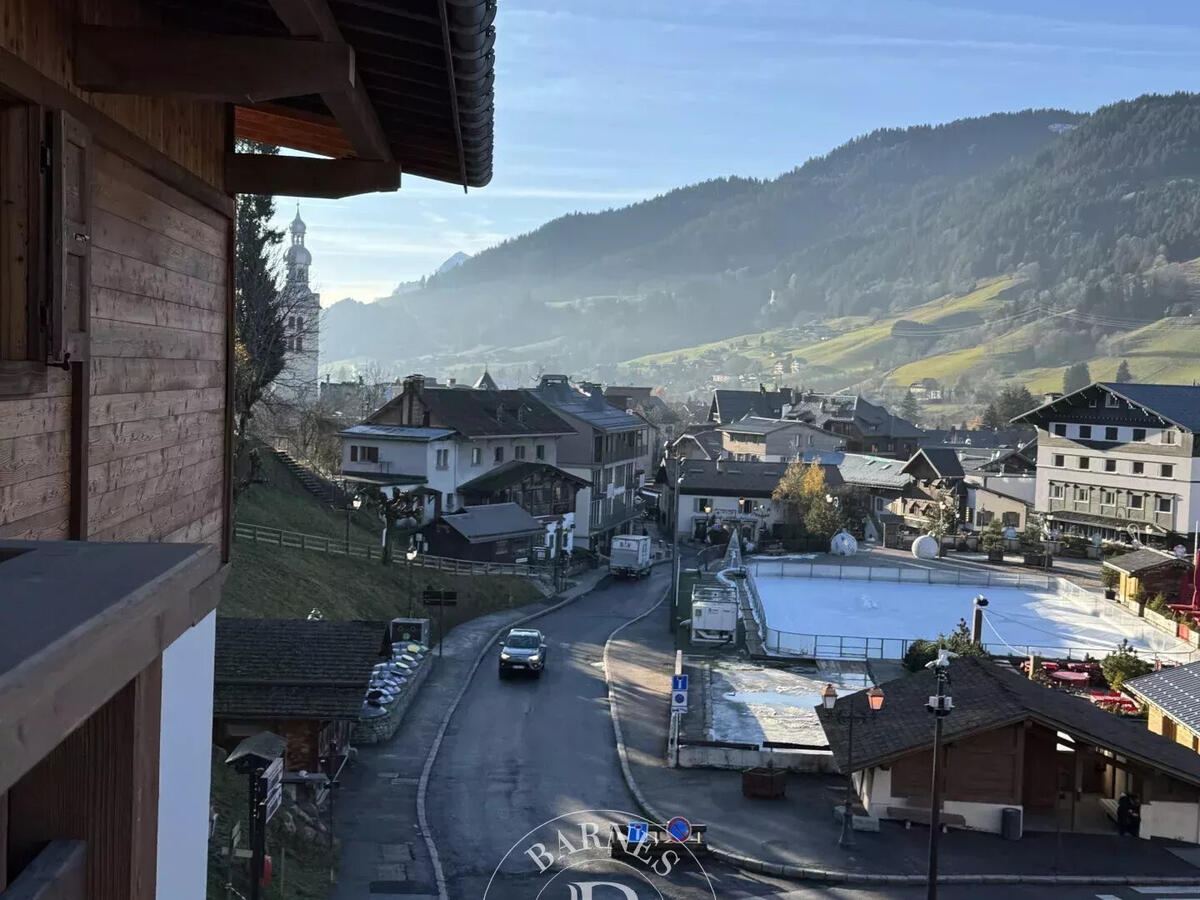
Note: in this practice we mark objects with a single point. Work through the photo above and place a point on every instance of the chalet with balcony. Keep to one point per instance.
(608, 447)
(118, 122)
(441, 437)
(865, 427)
(1120, 460)
(730, 405)
(495, 532)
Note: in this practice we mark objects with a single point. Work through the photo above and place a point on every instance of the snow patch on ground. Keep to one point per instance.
(751, 704)
(1016, 618)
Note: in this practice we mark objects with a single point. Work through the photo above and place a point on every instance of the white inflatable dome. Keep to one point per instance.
(843, 544)
(925, 547)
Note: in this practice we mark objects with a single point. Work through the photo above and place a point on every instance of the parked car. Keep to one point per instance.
(523, 650)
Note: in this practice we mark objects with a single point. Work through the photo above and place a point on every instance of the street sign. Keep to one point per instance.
(679, 701)
(638, 832)
(679, 828)
(274, 800)
(679, 682)
(439, 598)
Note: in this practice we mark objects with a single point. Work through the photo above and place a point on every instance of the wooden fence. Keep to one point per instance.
(318, 543)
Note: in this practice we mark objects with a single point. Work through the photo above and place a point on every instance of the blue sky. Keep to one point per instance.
(600, 103)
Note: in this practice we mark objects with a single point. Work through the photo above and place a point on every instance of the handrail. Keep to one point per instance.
(317, 543)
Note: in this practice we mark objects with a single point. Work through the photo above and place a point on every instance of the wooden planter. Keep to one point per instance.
(1040, 560)
(764, 783)
(995, 556)
(1110, 593)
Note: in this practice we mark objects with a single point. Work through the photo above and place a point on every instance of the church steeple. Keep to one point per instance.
(298, 257)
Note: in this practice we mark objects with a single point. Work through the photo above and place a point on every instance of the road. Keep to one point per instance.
(527, 784)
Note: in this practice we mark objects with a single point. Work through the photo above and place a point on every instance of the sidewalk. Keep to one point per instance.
(383, 850)
(800, 833)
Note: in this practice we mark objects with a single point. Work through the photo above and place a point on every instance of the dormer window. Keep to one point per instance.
(1111, 401)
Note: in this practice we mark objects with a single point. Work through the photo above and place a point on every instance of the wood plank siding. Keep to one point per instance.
(158, 302)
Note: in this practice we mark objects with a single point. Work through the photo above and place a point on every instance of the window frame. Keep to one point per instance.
(1140, 498)
(1112, 433)
(1139, 440)
(1085, 432)
(1110, 465)
(539, 452)
(1166, 470)
(1168, 501)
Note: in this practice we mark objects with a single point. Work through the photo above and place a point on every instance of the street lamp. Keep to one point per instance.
(941, 706)
(848, 717)
(678, 501)
(411, 555)
(354, 504)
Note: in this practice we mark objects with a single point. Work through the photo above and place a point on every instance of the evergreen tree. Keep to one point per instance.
(1076, 377)
(909, 408)
(824, 517)
(1124, 376)
(258, 315)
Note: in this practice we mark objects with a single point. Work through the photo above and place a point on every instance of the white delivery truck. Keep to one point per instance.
(630, 555)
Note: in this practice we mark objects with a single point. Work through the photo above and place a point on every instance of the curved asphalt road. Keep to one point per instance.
(522, 751)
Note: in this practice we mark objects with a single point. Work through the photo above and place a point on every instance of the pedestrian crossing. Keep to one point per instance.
(1163, 892)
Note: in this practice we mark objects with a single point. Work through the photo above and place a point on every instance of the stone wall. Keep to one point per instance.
(376, 731)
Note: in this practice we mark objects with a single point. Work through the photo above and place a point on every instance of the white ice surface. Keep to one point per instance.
(1015, 618)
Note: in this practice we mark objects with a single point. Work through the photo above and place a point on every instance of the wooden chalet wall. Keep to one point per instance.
(159, 300)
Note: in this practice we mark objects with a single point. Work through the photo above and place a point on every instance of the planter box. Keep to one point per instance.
(764, 783)
(995, 556)
(1110, 593)
(1093, 552)
(1038, 560)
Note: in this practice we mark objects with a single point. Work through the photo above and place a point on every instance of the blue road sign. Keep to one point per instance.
(679, 828)
(679, 682)
(638, 832)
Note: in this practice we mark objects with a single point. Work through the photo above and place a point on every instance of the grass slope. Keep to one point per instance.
(281, 582)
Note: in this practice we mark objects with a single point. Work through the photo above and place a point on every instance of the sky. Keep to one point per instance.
(600, 103)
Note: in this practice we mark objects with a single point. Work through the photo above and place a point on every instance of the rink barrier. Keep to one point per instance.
(859, 647)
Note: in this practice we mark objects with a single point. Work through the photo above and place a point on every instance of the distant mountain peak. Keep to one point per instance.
(453, 262)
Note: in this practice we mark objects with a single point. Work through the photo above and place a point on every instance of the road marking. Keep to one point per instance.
(1194, 890)
(1107, 897)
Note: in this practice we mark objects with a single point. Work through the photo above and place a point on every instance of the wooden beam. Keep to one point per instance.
(216, 67)
(352, 108)
(283, 127)
(296, 176)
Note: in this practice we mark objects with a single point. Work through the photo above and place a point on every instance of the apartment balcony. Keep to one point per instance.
(608, 513)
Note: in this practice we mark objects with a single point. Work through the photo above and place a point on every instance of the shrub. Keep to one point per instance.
(1159, 604)
(1139, 596)
(958, 641)
(1110, 578)
(992, 538)
(1123, 664)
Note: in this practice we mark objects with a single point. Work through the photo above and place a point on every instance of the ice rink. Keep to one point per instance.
(799, 608)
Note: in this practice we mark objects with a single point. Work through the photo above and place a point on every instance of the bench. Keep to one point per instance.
(657, 842)
(920, 815)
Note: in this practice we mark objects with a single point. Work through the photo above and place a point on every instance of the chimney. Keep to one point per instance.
(414, 384)
(452, 382)
(1051, 396)
(721, 464)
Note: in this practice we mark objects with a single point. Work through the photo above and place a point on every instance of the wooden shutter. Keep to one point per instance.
(70, 234)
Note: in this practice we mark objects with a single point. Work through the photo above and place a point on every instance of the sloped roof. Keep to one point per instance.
(514, 471)
(729, 478)
(942, 460)
(862, 469)
(486, 382)
(707, 439)
(1174, 690)
(1178, 404)
(1144, 560)
(731, 405)
(482, 413)
(870, 418)
(987, 696)
(559, 394)
(396, 432)
(294, 668)
(492, 522)
(752, 424)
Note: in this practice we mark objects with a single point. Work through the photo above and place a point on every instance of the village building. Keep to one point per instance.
(730, 405)
(756, 439)
(117, 202)
(1147, 572)
(297, 383)
(865, 427)
(1172, 698)
(493, 533)
(305, 680)
(607, 447)
(1011, 743)
(1120, 461)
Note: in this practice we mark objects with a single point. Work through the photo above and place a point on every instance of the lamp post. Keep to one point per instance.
(675, 551)
(354, 504)
(411, 555)
(848, 717)
(940, 705)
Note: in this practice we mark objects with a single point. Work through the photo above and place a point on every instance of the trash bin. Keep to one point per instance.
(1010, 823)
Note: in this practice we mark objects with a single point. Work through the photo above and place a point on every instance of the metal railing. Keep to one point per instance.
(981, 578)
(317, 543)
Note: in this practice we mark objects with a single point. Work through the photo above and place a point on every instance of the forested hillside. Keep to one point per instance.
(1087, 211)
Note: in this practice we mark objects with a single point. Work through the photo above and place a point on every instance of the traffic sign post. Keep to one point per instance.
(679, 683)
(638, 832)
(679, 828)
(440, 599)
(678, 701)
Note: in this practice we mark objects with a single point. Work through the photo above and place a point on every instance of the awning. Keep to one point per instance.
(1133, 527)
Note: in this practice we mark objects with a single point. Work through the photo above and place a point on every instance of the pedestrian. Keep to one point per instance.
(1124, 814)
(1135, 815)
